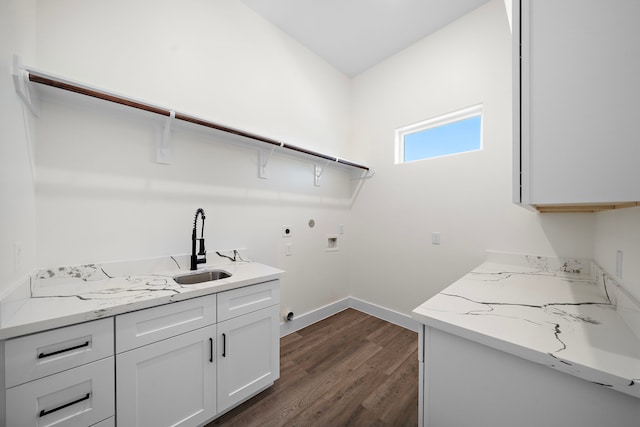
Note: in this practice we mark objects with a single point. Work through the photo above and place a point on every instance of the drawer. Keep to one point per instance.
(144, 327)
(81, 396)
(35, 356)
(245, 300)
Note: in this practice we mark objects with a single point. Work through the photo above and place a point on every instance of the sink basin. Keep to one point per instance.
(200, 277)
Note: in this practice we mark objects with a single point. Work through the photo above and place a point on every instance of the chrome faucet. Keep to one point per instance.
(201, 252)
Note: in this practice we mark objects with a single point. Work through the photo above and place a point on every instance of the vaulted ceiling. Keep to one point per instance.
(354, 35)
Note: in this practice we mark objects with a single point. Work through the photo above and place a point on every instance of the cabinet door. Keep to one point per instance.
(248, 355)
(168, 383)
(578, 91)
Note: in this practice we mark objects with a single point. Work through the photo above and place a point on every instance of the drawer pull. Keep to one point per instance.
(53, 353)
(224, 345)
(66, 405)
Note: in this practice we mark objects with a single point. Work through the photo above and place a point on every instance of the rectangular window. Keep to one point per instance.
(453, 133)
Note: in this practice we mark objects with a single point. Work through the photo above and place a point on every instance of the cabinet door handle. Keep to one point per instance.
(49, 411)
(224, 345)
(64, 350)
(211, 350)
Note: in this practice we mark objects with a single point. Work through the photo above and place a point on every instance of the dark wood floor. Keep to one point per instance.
(351, 369)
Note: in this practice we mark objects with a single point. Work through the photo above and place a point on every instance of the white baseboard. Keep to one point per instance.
(383, 313)
(306, 319)
(387, 314)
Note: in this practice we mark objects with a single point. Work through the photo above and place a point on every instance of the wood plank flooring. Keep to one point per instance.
(351, 369)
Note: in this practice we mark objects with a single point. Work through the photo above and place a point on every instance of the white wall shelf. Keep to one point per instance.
(25, 76)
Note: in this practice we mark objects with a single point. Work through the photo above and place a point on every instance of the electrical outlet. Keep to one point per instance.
(287, 231)
(288, 249)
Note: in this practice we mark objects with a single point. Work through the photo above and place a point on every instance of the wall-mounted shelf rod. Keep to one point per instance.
(43, 79)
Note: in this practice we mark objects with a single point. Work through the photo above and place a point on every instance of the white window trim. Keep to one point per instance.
(466, 113)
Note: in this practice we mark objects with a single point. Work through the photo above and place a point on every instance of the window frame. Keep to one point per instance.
(434, 122)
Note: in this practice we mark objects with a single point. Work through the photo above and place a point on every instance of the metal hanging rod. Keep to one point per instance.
(47, 80)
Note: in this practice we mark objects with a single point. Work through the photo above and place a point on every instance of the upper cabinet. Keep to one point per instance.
(576, 103)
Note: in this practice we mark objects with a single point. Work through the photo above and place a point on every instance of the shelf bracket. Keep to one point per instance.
(264, 156)
(21, 83)
(163, 147)
(367, 174)
(318, 171)
(30, 101)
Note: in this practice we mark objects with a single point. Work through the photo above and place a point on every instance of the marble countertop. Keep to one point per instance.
(567, 314)
(61, 296)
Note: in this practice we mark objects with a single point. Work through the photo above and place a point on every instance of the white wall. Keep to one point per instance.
(467, 198)
(17, 216)
(102, 197)
(620, 230)
(215, 59)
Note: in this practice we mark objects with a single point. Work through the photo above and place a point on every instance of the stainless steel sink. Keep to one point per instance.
(200, 277)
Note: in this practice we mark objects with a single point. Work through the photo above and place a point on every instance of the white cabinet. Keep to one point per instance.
(62, 377)
(576, 91)
(248, 342)
(173, 364)
(166, 374)
(168, 383)
(465, 383)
